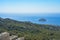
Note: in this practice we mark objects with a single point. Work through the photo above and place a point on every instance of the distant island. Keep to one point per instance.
(42, 20)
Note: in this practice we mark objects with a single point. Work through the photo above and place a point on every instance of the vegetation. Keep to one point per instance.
(30, 31)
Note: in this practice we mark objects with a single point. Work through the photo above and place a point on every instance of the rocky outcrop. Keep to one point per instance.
(5, 36)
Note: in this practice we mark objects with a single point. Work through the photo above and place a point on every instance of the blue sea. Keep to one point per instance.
(51, 19)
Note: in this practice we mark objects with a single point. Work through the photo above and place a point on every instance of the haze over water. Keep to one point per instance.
(53, 19)
(31, 10)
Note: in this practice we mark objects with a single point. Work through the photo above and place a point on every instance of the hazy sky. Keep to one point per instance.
(29, 6)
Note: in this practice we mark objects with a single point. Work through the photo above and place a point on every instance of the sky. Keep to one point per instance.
(29, 6)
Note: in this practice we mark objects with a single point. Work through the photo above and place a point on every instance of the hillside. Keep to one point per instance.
(31, 31)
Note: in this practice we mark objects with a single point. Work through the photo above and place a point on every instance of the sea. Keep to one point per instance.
(51, 18)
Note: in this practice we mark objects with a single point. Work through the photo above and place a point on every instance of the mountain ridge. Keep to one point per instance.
(29, 29)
